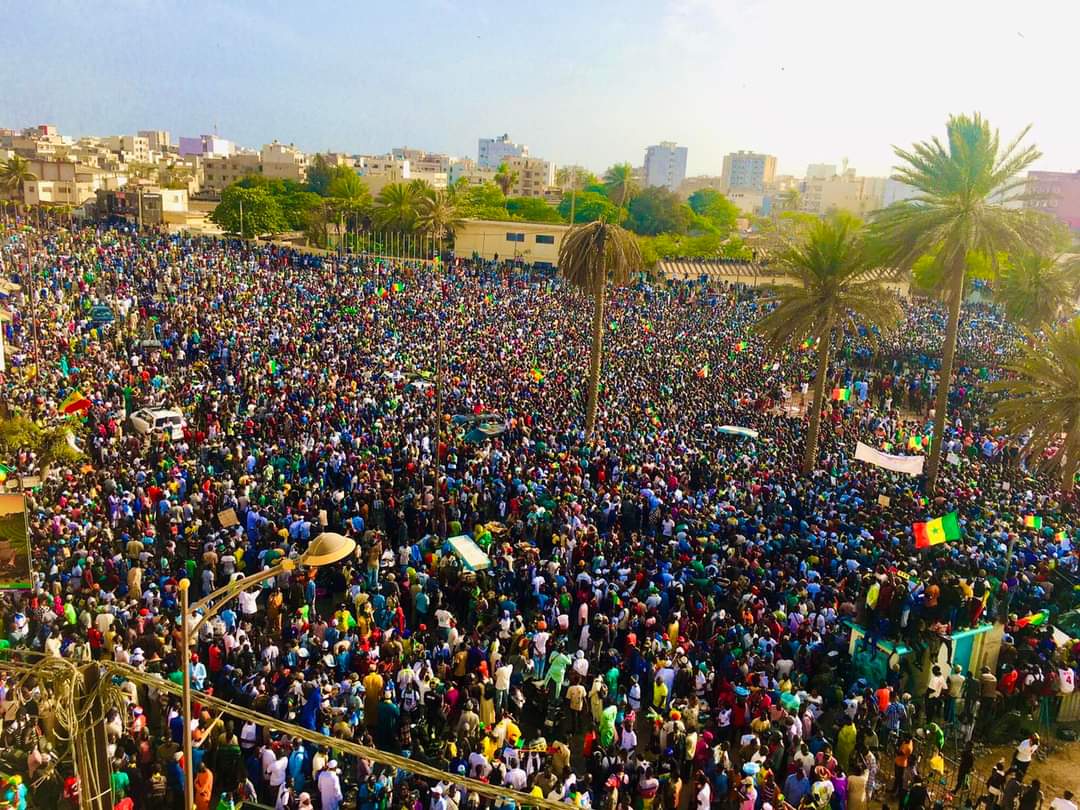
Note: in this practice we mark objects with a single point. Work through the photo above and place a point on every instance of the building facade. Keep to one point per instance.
(749, 170)
(283, 162)
(533, 243)
(665, 165)
(65, 183)
(1059, 193)
(534, 176)
(220, 172)
(207, 146)
(493, 151)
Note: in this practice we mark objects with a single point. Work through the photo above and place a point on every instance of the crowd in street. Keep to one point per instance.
(667, 616)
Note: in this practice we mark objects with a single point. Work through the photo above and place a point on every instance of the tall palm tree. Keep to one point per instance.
(591, 256)
(505, 178)
(1035, 288)
(397, 206)
(791, 199)
(1044, 398)
(620, 184)
(833, 266)
(439, 214)
(14, 174)
(963, 187)
(349, 200)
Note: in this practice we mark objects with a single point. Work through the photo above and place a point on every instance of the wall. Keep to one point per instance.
(488, 238)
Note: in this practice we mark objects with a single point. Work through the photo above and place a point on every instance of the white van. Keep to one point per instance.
(158, 420)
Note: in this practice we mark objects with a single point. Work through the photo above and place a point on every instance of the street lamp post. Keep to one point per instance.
(325, 549)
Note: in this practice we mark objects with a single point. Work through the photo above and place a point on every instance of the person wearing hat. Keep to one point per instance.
(329, 784)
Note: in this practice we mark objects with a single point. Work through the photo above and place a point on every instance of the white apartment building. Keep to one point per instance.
(665, 165)
(493, 151)
(748, 170)
(534, 176)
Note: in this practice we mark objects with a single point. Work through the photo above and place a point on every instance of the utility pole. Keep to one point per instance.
(241, 219)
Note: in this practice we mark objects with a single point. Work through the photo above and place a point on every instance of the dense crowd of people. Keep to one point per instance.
(666, 619)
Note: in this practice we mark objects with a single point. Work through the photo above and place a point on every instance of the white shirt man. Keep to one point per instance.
(330, 787)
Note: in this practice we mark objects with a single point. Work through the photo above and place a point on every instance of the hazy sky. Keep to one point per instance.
(586, 81)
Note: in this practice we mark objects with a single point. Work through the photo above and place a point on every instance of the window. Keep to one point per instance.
(545, 239)
(515, 237)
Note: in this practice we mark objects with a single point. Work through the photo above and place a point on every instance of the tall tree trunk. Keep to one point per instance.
(948, 355)
(814, 429)
(1072, 460)
(595, 357)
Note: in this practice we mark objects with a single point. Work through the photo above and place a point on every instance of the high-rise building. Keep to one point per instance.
(748, 170)
(820, 171)
(493, 151)
(160, 140)
(1058, 195)
(665, 165)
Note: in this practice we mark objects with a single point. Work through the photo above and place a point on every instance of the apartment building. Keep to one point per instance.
(61, 182)
(665, 165)
(221, 172)
(493, 151)
(283, 162)
(1058, 195)
(749, 170)
(534, 176)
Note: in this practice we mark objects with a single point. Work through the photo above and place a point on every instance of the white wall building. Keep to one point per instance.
(493, 151)
(751, 170)
(665, 165)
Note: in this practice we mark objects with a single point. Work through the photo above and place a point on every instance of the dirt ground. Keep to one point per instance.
(1059, 772)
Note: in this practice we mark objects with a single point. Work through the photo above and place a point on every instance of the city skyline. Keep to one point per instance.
(807, 84)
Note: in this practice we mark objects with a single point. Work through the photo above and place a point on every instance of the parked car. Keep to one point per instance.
(147, 421)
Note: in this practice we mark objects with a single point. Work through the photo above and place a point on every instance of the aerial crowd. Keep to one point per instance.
(668, 614)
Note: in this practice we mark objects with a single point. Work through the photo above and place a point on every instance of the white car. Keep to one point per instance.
(158, 420)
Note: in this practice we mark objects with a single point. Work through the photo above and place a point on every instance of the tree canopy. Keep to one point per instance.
(249, 212)
(657, 210)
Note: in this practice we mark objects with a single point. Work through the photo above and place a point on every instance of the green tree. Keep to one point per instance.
(532, 209)
(590, 257)
(298, 207)
(590, 206)
(833, 268)
(176, 176)
(963, 186)
(249, 212)
(1043, 399)
(619, 184)
(14, 174)
(397, 207)
(485, 201)
(439, 215)
(505, 178)
(49, 445)
(713, 206)
(351, 200)
(657, 210)
(319, 175)
(1034, 289)
(567, 177)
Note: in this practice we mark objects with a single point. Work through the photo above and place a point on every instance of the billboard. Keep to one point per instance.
(14, 545)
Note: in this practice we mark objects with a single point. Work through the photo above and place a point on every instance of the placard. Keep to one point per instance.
(324, 519)
(884, 500)
(227, 518)
(15, 558)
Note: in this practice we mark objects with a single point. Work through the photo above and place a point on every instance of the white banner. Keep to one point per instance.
(909, 465)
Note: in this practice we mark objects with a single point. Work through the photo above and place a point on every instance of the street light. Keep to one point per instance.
(326, 549)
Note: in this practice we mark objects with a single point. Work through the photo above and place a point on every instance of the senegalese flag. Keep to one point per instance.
(646, 327)
(381, 292)
(703, 372)
(397, 286)
(741, 346)
(1034, 620)
(614, 326)
(5, 471)
(1060, 536)
(272, 366)
(841, 394)
(489, 299)
(74, 402)
(807, 344)
(918, 442)
(536, 374)
(1033, 521)
(937, 531)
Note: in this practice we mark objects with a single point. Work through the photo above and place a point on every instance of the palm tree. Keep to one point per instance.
(14, 174)
(349, 200)
(439, 214)
(620, 183)
(833, 266)
(590, 256)
(397, 206)
(1034, 288)
(1044, 398)
(791, 199)
(505, 178)
(963, 187)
